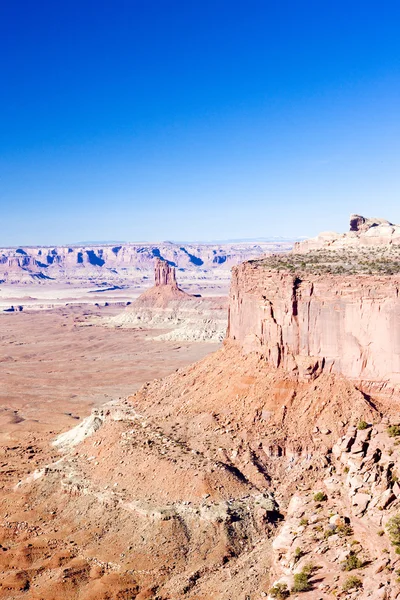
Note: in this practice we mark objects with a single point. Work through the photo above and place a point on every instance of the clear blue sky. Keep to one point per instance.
(151, 120)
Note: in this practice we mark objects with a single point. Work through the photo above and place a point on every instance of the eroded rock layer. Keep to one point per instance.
(348, 325)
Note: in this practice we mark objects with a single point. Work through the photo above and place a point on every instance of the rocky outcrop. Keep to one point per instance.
(310, 324)
(360, 223)
(342, 524)
(364, 232)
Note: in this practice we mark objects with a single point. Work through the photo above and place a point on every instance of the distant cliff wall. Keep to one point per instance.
(120, 262)
(348, 325)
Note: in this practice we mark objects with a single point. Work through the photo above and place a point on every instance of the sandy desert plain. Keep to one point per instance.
(56, 364)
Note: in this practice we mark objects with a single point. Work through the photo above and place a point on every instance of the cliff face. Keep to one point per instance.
(348, 325)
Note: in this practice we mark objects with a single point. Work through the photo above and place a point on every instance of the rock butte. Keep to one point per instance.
(165, 305)
(266, 464)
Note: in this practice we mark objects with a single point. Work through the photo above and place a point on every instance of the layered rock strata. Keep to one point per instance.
(308, 324)
(124, 262)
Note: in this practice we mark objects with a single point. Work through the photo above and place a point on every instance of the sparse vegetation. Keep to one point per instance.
(303, 521)
(393, 529)
(352, 562)
(279, 591)
(344, 530)
(384, 260)
(298, 554)
(309, 568)
(328, 532)
(362, 425)
(393, 430)
(320, 497)
(352, 583)
(301, 582)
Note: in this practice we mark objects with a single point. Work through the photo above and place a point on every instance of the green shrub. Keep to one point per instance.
(344, 530)
(393, 430)
(328, 533)
(309, 569)
(393, 528)
(301, 582)
(279, 591)
(351, 562)
(362, 425)
(298, 553)
(320, 497)
(352, 583)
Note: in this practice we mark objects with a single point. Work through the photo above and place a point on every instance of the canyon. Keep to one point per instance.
(268, 468)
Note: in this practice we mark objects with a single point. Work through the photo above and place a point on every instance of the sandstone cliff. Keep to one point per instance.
(308, 324)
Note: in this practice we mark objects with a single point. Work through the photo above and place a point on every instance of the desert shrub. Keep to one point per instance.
(344, 530)
(320, 497)
(279, 591)
(309, 568)
(381, 533)
(328, 533)
(298, 553)
(303, 521)
(351, 562)
(393, 528)
(352, 583)
(301, 582)
(393, 430)
(362, 425)
(346, 469)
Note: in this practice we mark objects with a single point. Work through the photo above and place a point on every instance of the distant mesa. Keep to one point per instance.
(119, 263)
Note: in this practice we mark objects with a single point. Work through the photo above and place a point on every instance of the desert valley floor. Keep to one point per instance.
(56, 366)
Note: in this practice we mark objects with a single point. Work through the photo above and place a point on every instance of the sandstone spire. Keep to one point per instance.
(164, 274)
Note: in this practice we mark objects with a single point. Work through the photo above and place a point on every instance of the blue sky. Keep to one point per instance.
(134, 120)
